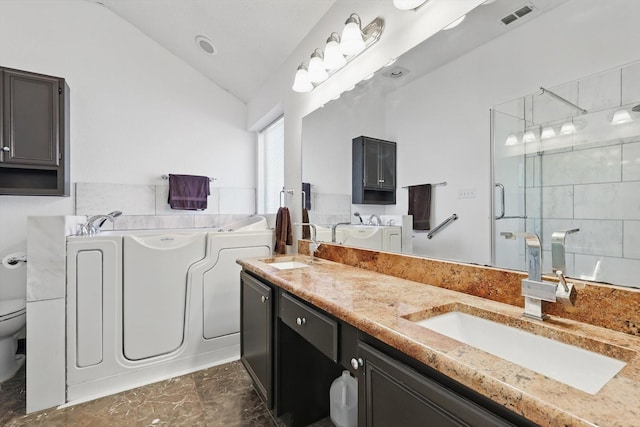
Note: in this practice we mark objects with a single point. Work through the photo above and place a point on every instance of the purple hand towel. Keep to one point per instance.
(420, 206)
(188, 192)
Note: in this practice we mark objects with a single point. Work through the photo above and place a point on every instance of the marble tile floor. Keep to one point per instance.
(218, 396)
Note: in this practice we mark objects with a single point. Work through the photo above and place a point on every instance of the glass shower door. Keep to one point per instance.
(514, 190)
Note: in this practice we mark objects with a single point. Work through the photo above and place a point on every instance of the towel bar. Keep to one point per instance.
(167, 177)
(443, 183)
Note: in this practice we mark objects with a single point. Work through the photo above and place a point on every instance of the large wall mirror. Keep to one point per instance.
(445, 104)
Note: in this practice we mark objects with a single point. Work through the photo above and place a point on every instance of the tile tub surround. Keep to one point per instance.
(382, 305)
(607, 306)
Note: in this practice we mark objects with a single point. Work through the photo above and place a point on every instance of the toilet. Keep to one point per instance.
(13, 317)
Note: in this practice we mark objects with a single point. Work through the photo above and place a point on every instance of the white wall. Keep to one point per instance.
(137, 111)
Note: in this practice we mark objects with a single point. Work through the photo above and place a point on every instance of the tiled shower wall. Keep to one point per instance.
(146, 207)
(591, 179)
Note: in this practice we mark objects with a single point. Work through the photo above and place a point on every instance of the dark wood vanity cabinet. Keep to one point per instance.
(34, 134)
(373, 171)
(395, 394)
(256, 338)
(293, 351)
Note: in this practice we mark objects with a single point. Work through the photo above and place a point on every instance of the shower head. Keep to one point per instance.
(357, 214)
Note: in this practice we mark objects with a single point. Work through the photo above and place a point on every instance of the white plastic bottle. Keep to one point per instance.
(343, 396)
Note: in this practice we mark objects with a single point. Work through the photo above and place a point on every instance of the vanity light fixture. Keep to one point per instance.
(547, 132)
(455, 23)
(408, 4)
(339, 51)
(302, 83)
(317, 72)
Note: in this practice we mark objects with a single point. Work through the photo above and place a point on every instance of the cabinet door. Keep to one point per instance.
(30, 134)
(387, 166)
(256, 334)
(397, 395)
(371, 164)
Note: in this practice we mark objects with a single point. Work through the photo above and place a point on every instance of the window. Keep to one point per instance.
(270, 166)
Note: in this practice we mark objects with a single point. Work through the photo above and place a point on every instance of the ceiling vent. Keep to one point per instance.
(512, 17)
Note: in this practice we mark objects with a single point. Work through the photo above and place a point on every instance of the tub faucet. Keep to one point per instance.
(535, 291)
(333, 230)
(91, 228)
(376, 217)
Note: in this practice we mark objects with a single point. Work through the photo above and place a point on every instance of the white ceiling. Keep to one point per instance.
(252, 37)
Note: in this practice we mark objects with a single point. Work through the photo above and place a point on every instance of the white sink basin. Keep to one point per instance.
(583, 369)
(288, 265)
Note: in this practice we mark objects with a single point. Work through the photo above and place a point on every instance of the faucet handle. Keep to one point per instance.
(565, 293)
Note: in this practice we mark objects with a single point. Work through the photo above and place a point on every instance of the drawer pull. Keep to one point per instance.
(264, 298)
(356, 363)
(301, 321)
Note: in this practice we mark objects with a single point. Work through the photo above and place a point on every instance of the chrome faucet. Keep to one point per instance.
(376, 217)
(91, 228)
(559, 265)
(333, 230)
(314, 242)
(537, 292)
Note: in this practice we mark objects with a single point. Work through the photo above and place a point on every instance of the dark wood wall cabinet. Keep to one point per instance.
(34, 134)
(373, 171)
(293, 351)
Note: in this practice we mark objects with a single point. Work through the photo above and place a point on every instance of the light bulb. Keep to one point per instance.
(301, 82)
(621, 116)
(511, 140)
(317, 73)
(351, 41)
(528, 136)
(408, 4)
(568, 128)
(547, 133)
(333, 57)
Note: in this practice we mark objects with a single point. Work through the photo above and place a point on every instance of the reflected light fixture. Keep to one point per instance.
(621, 116)
(351, 40)
(408, 4)
(333, 57)
(568, 128)
(455, 23)
(301, 82)
(547, 133)
(511, 140)
(338, 52)
(528, 136)
(317, 72)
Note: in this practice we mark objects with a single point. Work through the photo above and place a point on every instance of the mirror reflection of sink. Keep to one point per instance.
(285, 263)
(583, 369)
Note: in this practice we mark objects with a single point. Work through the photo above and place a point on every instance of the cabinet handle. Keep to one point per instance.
(264, 299)
(301, 321)
(381, 180)
(356, 363)
(6, 149)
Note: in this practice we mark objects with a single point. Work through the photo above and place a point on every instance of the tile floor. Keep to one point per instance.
(219, 396)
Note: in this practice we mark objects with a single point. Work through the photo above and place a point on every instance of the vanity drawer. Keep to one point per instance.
(315, 327)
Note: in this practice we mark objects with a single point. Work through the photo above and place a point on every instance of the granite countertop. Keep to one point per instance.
(386, 307)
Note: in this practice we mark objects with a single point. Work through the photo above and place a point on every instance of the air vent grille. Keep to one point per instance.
(512, 17)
